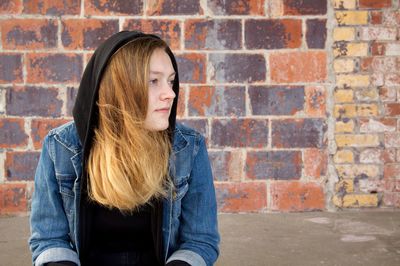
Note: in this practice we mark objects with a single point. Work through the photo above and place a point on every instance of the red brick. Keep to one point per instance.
(375, 3)
(33, 101)
(239, 133)
(273, 33)
(52, 7)
(11, 68)
(315, 98)
(280, 165)
(391, 185)
(297, 196)
(86, 33)
(304, 7)
(227, 165)
(115, 7)
(232, 68)
(315, 162)
(40, 128)
(54, 68)
(168, 30)
(13, 198)
(392, 109)
(217, 34)
(237, 7)
(12, 133)
(241, 197)
(366, 63)
(391, 171)
(368, 125)
(387, 94)
(22, 34)
(276, 100)
(392, 79)
(174, 7)
(194, 66)
(378, 48)
(298, 133)
(316, 33)
(180, 112)
(392, 139)
(391, 199)
(216, 101)
(21, 165)
(376, 17)
(200, 125)
(298, 67)
(10, 7)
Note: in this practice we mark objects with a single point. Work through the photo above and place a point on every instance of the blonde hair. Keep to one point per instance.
(127, 164)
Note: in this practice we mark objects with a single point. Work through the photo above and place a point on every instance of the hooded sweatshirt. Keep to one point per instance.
(85, 114)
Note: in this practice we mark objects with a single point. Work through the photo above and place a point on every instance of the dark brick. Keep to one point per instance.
(298, 133)
(280, 165)
(213, 34)
(11, 68)
(241, 197)
(273, 33)
(216, 101)
(40, 128)
(378, 48)
(304, 7)
(268, 100)
(236, 7)
(52, 7)
(316, 33)
(8, 7)
(200, 125)
(193, 68)
(226, 165)
(33, 101)
(54, 68)
(174, 7)
(239, 133)
(375, 3)
(376, 17)
(168, 30)
(71, 95)
(12, 133)
(115, 7)
(21, 165)
(13, 198)
(86, 33)
(238, 67)
(29, 33)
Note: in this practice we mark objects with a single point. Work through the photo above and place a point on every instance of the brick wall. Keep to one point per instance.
(298, 100)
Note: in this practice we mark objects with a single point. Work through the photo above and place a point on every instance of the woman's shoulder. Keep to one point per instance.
(67, 135)
(185, 130)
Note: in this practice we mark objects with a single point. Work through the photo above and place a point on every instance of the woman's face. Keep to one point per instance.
(161, 95)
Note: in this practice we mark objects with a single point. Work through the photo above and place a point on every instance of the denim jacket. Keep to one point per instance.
(190, 231)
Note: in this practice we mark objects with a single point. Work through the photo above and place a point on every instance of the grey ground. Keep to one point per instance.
(317, 238)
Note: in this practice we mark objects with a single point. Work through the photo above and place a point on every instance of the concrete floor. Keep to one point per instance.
(317, 238)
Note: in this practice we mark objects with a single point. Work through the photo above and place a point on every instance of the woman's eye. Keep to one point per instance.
(153, 81)
(171, 82)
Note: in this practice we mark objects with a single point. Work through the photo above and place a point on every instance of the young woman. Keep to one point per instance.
(123, 184)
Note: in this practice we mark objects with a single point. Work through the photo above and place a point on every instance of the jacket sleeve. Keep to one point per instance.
(49, 240)
(198, 231)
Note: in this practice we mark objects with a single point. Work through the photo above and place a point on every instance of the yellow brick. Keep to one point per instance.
(343, 156)
(345, 184)
(347, 110)
(352, 80)
(357, 140)
(344, 4)
(344, 127)
(342, 96)
(357, 49)
(367, 109)
(343, 65)
(351, 17)
(354, 170)
(356, 200)
(344, 34)
(367, 94)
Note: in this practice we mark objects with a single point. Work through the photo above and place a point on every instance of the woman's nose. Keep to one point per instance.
(167, 92)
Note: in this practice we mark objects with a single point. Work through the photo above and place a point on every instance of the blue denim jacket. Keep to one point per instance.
(190, 231)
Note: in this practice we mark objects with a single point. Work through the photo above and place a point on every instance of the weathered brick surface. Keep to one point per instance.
(21, 165)
(10, 68)
(194, 66)
(200, 125)
(375, 3)
(54, 68)
(273, 33)
(169, 30)
(29, 33)
(173, 7)
(315, 98)
(33, 101)
(236, 7)
(316, 33)
(213, 34)
(13, 134)
(115, 7)
(52, 7)
(71, 95)
(10, 7)
(13, 198)
(305, 7)
(227, 165)
(315, 162)
(40, 128)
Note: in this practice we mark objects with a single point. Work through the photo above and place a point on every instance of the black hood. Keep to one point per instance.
(85, 111)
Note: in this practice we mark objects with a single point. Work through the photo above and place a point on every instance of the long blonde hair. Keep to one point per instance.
(127, 164)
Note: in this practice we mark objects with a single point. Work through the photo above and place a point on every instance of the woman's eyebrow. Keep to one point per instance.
(161, 73)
